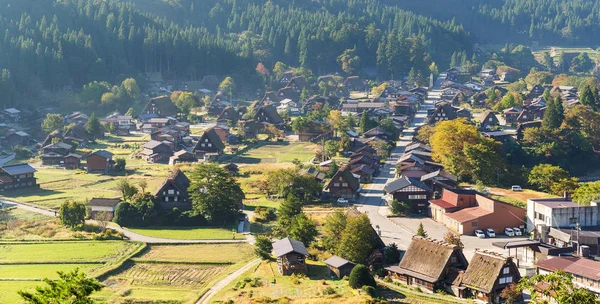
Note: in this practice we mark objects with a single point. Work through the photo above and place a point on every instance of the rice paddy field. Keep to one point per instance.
(190, 233)
(277, 152)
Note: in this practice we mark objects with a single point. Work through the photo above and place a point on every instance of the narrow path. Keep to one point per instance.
(226, 281)
(130, 234)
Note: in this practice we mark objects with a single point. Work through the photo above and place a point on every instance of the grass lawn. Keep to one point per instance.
(252, 201)
(20, 224)
(309, 290)
(33, 271)
(8, 290)
(278, 152)
(64, 251)
(199, 253)
(189, 233)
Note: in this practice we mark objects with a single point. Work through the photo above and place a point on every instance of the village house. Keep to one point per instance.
(228, 115)
(161, 106)
(343, 184)
(413, 166)
(297, 83)
(429, 265)
(291, 256)
(286, 77)
(12, 115)
(270, 97)
(232, 168)
(585, 272)
(488, 120)
(173, 192)
(120, 122)
(411, 191)
(218, 103)
(104, 205)
(54, 154)
(77, 134)
(157, 151)
(16, 138)
(210, 82)
(354, 83)
(288, 93)
(487, 275)
(268, 114)
(182, 156)
(17, 176)
(464, 211)
(511, 114)
(365, 172)
(72, 161)
(439, 180)
(77, 117)
(316, 174)
(209, 142)
(442, 111)
(339, 267)
(380, 133)
(100, 162)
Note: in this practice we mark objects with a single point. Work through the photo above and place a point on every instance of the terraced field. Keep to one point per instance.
(171, 274)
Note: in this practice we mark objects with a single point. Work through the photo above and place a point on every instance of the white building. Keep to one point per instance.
(546, 213)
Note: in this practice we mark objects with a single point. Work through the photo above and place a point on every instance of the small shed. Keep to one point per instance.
(72, 161)
(291, 256)
(108, 205)
(339, 267)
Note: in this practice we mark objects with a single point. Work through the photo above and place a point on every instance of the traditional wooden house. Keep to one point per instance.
(291, 256)
(298, 84)
(100, 162)
(339, 267)
(411, 191)
(439, 180)
(210, 82)
(288, 93)
(77, 117)
(182, 156)
(343, 184)
(162, 106)
(365, 172)
(157, 151)
(316, 174)
(104, 205)
(442, 111)
(120, 122)
(488, 120)
(72, 161)
(525, 116)
(354, 83)
(270, 97)
(429, 264)
(487, 275)
(380, 133)
(173, 192)
(268, 114)
(286, 77)
(218, 103)
(17, 176)
(209, 142)
(232, 168)
(536, 91)
(228, 115)
(511, 114)
(417, 146)
(76, 134)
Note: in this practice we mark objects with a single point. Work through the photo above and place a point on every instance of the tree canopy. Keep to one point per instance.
(215, 194)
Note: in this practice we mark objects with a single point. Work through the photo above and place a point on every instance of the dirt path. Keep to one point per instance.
(226, 281)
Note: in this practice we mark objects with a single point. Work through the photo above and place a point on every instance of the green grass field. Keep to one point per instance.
(37, 271)
(189, 233)
(278, 152)
(199, 253)
(8, 290)
(63, 251)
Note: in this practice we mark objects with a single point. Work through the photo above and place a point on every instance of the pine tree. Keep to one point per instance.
(552, 117)
(93, 126)
(363, 124)
(587, 97)
(421, 231)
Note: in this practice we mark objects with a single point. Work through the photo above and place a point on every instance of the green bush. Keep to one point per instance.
(263, 247)
(360, 277)
(370, 290)
(329, 291)
(264, 214)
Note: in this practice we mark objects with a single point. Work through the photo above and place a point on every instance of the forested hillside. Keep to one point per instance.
(53, 44)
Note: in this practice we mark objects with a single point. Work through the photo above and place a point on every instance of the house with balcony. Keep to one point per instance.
(17, 176)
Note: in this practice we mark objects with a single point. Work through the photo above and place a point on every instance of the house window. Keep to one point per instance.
(417, 196)
(166, 198)
(341, 178)
(206, 140)
(202, 145)
(573, 220)
(490, 119)
(336, 184)
(171, 191)
(344, 184)
(506, 270)
(453, 260)
(474, 224)
(175, 198)
(209, 144)
(506, 280)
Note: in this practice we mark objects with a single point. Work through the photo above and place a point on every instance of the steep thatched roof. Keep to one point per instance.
(426, 259)
(483, 271)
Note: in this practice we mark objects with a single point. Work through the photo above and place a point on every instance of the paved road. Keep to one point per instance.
(226, 281)
(401, 230)
(132, 235)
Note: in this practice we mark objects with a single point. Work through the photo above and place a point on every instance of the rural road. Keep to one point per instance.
(132, 236)
(226, 281)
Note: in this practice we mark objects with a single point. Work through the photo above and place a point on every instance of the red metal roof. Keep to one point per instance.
(578, 266)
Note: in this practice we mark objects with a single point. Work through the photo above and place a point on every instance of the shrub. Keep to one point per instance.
(264, 214)
(256, 282)
(329, 291)
(108, 234)
(295, 279)
(263, 247)
(370, 290)
(360, 277)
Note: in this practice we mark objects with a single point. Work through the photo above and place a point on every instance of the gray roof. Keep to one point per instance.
(337, 262)
(103, 154)
(287, 245)
(104, 202)
(402, 183)
(18, 169)
(152, 144)
(441, 173)
(74, 155)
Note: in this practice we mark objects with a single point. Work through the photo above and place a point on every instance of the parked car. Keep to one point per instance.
(509, 232)
(342, 201)
(479, 234)
(516, 188)
(517, 231)
(490, 232)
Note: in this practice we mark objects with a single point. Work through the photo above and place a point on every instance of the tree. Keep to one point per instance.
(22, 153)
(391, 254)
(332, 147)
(263, 247)
(482, 161)
(454, 239)
(130, 112)
(421, 231)
(587, 97)
(279, 69)
(120, 164)
(126, 188)
(72, 214)
(143, 184)
(568, 185)
(333, 227)
(103, 217)
(132, 89)
(543, 176)
(305, 95)
(433, 68)
(349, 60)
(424, 133)
(581, 63)
(360, 276)
(356, 242)
(93, 126)
(336, 121)
(448, 143)
(559, 286)
(72, 287)
(399, 207)
(303, 229)
(52, 122)
(586, 193)
(227, 86)
(185, 102)
(126, 215)
(215, 194)
(563, 65)
(548, 62)
(511, 293)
